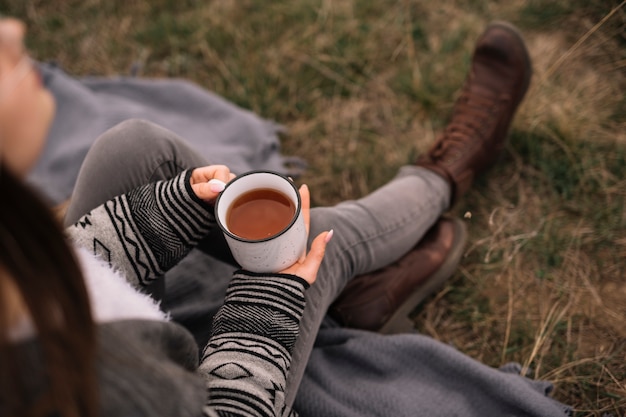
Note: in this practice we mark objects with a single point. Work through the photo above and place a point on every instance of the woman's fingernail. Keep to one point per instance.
(329, 236)
(216, 185)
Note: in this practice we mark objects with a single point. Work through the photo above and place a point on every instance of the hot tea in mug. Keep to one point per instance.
(260, 213)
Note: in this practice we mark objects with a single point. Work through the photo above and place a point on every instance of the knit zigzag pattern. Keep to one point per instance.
(147, 231)
(138, 254)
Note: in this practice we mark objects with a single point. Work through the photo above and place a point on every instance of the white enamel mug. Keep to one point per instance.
(274, 253)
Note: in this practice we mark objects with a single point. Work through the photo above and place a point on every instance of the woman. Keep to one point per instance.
(79, 336)
(43, 289)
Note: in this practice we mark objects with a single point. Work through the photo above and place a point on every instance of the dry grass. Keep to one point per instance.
(365, 86)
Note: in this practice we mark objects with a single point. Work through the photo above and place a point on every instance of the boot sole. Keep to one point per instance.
(400, 322)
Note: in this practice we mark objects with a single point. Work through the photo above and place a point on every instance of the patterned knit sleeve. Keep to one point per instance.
(147, 231)
(246, 360)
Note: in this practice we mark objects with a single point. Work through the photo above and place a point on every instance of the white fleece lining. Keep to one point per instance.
(111, 296)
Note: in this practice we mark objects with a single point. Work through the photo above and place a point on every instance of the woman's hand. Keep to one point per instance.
(307, 266)
(207, 182)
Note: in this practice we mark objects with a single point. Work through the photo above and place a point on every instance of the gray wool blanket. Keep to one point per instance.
(350, 373)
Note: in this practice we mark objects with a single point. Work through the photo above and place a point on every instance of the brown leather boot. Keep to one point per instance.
(498, 79)
(382, 300)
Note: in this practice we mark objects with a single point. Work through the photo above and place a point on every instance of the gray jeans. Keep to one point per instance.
(369, 233)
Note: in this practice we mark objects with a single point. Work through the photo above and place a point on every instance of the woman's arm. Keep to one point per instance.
(245, 362)
(147, 231)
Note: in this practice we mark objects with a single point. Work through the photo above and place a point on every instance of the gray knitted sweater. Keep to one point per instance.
(151, 368)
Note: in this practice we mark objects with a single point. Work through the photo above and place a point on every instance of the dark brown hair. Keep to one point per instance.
(35, 256)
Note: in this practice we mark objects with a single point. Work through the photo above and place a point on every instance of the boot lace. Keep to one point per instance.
(474, 115)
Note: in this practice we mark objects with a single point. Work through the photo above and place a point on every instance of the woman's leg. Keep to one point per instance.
(131, 154)
(371, 232)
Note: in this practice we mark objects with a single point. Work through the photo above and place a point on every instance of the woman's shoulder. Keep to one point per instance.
(143, 339)
(148, 368)
(145, 368)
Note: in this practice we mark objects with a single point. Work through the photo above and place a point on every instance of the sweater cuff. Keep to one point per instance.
(179, 203)
(169, 211)
(192, 195)
(170, 218)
